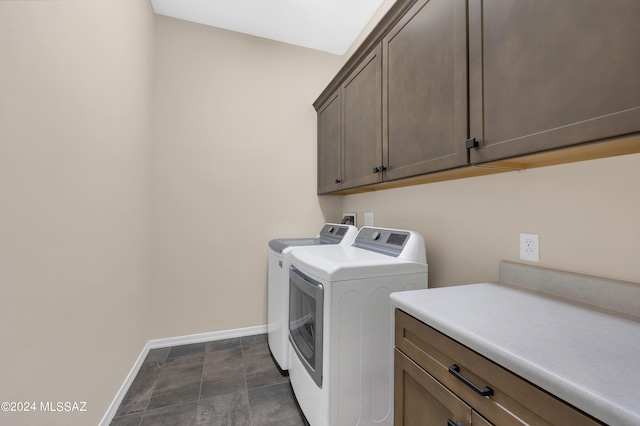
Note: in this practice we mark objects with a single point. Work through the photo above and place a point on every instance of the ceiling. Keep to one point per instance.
(327, 25)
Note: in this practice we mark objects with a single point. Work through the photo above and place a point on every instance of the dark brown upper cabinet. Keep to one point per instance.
(546, 74)
(330, 144)
(499, 84)
(425, 90)
(362, 124)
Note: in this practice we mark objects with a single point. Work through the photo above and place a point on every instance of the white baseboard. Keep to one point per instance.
(168, 342)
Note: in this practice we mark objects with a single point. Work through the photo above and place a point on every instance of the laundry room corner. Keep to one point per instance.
(233, 166)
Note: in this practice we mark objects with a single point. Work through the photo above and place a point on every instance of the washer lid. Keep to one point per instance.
(331, 233)
(280, 244)
(341, 263)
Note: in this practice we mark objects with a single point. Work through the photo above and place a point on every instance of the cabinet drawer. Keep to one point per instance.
(513, 399)
(418, 397)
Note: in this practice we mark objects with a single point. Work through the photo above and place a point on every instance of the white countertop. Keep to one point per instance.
(587, 358)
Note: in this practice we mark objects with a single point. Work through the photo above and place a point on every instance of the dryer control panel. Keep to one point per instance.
(386, 241)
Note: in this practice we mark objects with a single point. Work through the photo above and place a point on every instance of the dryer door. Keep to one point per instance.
(306, 302)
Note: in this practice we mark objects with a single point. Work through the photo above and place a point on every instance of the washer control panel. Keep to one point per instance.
(332, 233)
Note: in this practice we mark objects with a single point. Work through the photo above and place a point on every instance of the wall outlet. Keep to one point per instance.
(368, 218)
(530, 247)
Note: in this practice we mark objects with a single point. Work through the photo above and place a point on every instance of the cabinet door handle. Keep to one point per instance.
(338, 181)
(379, 169)
(452, 423)
(472, 143)
(455, 370)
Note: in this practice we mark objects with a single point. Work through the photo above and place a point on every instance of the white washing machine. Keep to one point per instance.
(341, 324)
(278, 283)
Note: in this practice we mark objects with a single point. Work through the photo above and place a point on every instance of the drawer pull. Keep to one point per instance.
(452, 423)
(455, 370)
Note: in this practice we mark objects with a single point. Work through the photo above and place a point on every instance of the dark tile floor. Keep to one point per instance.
(226, 383)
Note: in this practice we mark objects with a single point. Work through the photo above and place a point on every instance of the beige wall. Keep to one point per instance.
(585, 213)
(375, 19)
(233, 166)
(108, 240)
(74, 143)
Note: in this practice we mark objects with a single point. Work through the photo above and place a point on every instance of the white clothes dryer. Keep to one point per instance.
(341, 324)
(278, 283)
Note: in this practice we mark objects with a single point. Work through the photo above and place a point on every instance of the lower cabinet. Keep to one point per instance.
(422, 400)
(441, 382)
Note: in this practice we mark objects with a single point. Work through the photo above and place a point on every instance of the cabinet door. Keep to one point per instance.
(546, 74)
(515, 401)
(330, 144)
(362, 125)
(421, 400)
(425, 89)
(478, 420)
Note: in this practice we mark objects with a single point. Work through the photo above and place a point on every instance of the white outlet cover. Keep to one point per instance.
(530, 247)
(368, 219)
